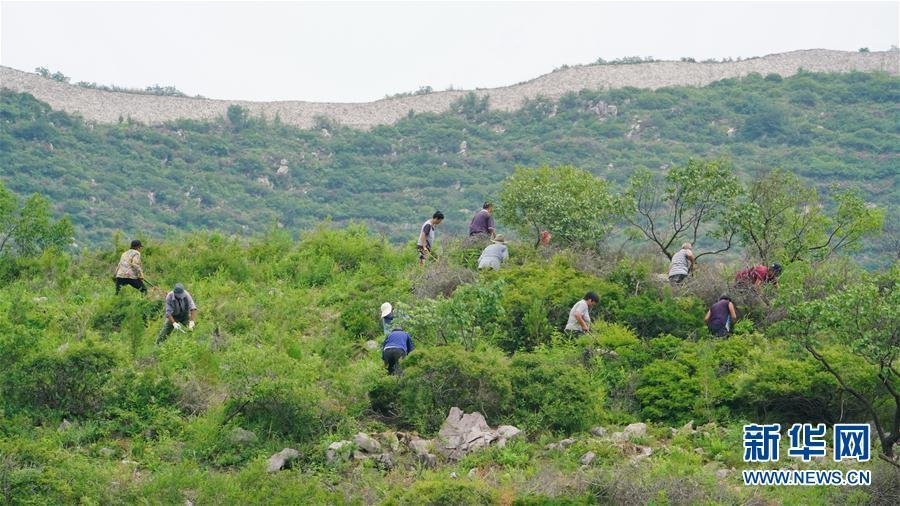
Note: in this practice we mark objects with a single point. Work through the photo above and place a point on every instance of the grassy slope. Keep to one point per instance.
(828, 128)
(152, 425)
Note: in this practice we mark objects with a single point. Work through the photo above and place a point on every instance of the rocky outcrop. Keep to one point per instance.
(462, 433)
(109, 106)
(282, 460)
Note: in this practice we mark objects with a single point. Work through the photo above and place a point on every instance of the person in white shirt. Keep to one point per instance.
(682, 264)
(494, 254)
(580, 314)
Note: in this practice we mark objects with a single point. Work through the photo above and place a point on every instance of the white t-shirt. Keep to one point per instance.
(580, 307)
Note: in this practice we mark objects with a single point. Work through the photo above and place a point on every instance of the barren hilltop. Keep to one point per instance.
(109, 107)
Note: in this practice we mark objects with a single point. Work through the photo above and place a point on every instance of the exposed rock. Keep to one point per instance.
(688, 427)
(562, 445)
(107, 452)
(420, 446)
(635, 430)
(366, 443)
(64, 425)
(263, 180)
(338, 451)
(473, 472)
(598, 431)
(384, 460)
(505, 433)
(588, 458)
(453, 474)
(40, 299)
(241, 436)
(282, 170)
(282, 460)
(371, 345)
(463, 432)
(722, 474)
(64, 347)
(463, 147)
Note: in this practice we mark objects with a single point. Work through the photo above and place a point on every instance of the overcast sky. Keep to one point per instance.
(353, 52)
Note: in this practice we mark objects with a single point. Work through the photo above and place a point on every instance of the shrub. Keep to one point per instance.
(554, 392)
(70, 382)
(436, 379)
(667, 391)
(113, 312)
(440, 493)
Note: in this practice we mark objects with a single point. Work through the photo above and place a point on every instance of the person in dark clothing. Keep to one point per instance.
(483, 222)
(396, 345)
(720, 316)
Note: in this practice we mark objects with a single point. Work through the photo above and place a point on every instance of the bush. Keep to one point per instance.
(667, 391)
(436, 379)
(554, 392)
(70, 382)
(113, 312)
(441, 493)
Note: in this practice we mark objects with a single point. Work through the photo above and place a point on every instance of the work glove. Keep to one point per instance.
(178, 326)
(191, 325)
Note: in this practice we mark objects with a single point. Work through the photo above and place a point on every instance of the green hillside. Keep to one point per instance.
(224, 175)
(93, 412)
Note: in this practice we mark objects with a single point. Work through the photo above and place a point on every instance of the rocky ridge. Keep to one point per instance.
(109, 107)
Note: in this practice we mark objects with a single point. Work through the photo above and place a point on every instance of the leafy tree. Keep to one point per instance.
(238, 116)
(833, 305)
(782, 218)
(28, 230)
(685, 204)
(571, 203)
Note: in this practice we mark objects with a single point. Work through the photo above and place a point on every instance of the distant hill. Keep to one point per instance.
(245, 174)
(109, 107)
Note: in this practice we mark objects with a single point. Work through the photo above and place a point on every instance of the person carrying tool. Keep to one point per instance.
(720, 316)
(758, 275)
(482, 223)
(397, 345)
(494, 254)
(580, 314)
(180, 312)
(425, 242)
(129, 271)
(682, 264)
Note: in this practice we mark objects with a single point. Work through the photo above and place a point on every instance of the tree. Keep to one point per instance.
(571, 203)
(238, 116)
(783, 219)
(29, 230)
(827, 306)
(690, 201)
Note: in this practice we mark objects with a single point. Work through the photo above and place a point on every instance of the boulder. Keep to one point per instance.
(384, 460)
(635, 430)
(588, 458)
(241, 436)
(505, 433)
(722, 474)
(338, 451)
(562, 445)
(282, 460)
(598, 431)
(371, 345)
(420, 446)
(366, 444)
(462, 433)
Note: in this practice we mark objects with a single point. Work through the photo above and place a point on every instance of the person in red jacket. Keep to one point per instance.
(758, 275)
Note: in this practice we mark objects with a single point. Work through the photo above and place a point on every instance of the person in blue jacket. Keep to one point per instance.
(396, 345)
